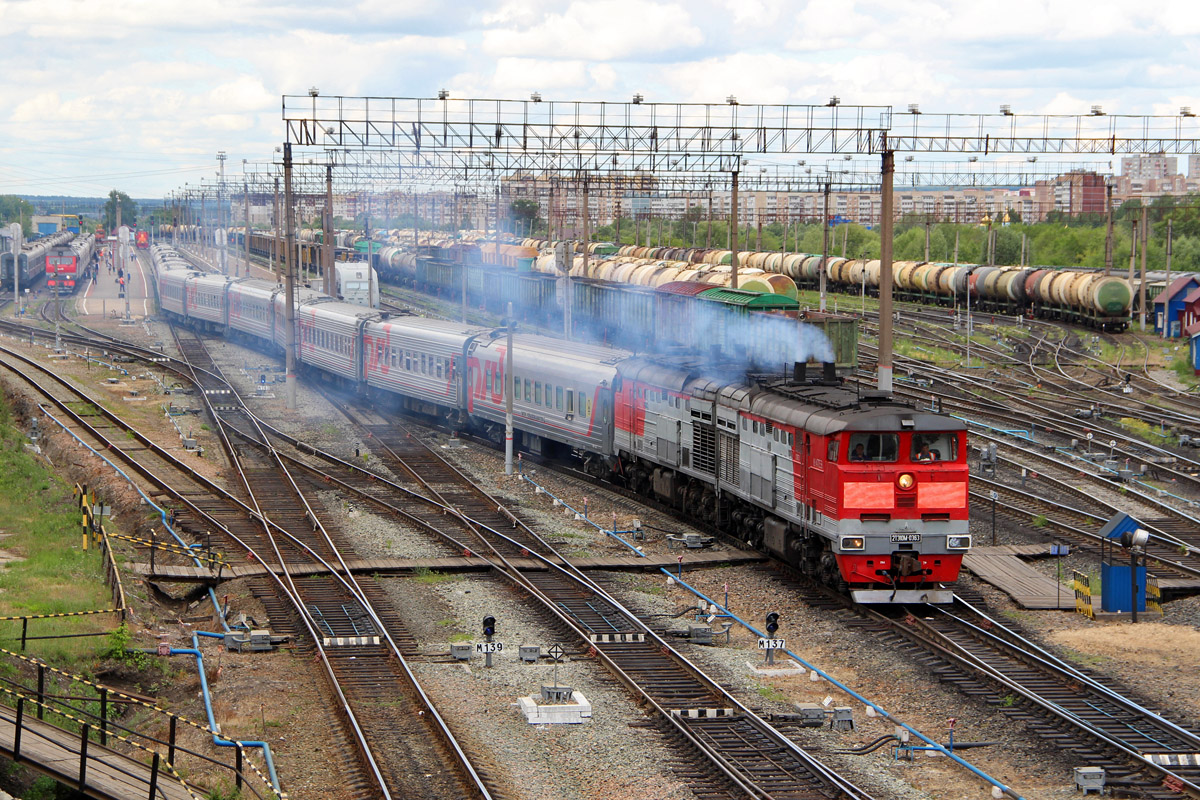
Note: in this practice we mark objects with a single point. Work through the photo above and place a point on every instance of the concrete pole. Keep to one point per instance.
(846, 238)
(926, 238)
(290, 279)
(1133, 243)
(956, 232)
(733, 231)
(508, 396)
(884, 370)
(276, 250)
(17, 235)
(708, 235)
(1108, 230)
(497, 228)
(1023, 238)
(417, 223)
(246, 228)
(370, 272)
(222, 225)
(1142, 288)
(1169, 248)
(586, 231)
(824, 247)
(203, 218)
(330, 280)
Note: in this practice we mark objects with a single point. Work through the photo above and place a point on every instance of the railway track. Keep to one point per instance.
(356, 634)
(355, 673)
(1143, 751)
(730, 751)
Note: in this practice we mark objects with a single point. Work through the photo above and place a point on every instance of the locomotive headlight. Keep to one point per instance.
(853, 543)
(906, 480)
(958, 542)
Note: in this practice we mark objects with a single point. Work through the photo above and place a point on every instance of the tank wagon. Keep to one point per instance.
(826, 479)
(1074, 295)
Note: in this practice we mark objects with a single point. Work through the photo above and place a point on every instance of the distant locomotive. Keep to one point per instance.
(67, 262)
(863, 491)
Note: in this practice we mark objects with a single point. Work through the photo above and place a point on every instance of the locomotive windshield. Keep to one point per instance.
(934, 447)
(874, 447)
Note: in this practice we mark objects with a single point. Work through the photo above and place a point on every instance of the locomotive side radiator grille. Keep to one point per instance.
(730, 472)
(704, 451)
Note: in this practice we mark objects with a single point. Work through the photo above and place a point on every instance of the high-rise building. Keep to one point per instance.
(1158, 165)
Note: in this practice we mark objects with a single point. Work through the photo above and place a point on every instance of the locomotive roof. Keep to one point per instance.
(816, 407)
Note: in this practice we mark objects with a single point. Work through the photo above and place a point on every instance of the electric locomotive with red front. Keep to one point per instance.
(865, 492)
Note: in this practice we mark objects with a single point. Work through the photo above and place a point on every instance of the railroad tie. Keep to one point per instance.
(350, 641)
(703, 713)
(608, 638)
(1173, 759)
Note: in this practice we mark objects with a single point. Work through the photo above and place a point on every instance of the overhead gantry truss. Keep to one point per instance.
(733, 129)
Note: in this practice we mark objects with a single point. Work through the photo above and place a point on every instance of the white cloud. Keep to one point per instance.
(601, 30)
(134, 84)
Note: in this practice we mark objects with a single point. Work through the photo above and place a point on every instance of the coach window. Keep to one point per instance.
(875, 446)
(833, 448)
(582, 404)
(528, 390)
(570, 402)
(558, 398)
(537, 393)
(408, 361)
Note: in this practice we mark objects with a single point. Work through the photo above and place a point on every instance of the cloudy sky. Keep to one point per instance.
(140, 95)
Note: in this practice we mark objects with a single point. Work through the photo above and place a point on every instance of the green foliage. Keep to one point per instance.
(428, 576)
(14, 209)
(120, 648)
(129, 210)
(1040, 521)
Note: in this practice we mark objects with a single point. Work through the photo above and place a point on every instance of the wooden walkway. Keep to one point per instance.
(402, 566)
(107, 774)
(1003, 568)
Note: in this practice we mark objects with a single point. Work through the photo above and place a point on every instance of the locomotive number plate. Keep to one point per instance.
(906, 537)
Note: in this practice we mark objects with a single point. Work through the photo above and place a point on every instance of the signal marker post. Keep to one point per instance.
(770, 643)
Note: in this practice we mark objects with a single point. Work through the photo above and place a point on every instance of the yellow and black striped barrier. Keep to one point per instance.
(1153, 595)
(106, 694)
(1083, 593)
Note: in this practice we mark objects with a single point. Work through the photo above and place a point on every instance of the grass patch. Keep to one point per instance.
(446, 623)
(38, 512)
(1040, 521)
(769, 692)
(460, 637)
(428, 576)
(1147, 432)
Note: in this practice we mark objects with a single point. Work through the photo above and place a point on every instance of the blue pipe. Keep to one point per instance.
(880, 711)
(613, 533)
(212, 594)
(208, 710)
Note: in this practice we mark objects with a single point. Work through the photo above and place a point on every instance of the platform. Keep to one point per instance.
(108, 774)
(401, 566)
(1003, 568)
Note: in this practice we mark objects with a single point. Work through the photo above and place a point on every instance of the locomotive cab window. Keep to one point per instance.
(928, 447)
(874, 447)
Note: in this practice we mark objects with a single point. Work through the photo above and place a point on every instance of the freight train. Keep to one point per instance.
(863, 491)
(1087, 297)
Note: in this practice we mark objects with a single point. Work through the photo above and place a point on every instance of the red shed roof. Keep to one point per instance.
(1178, 285)
(1191, 296)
